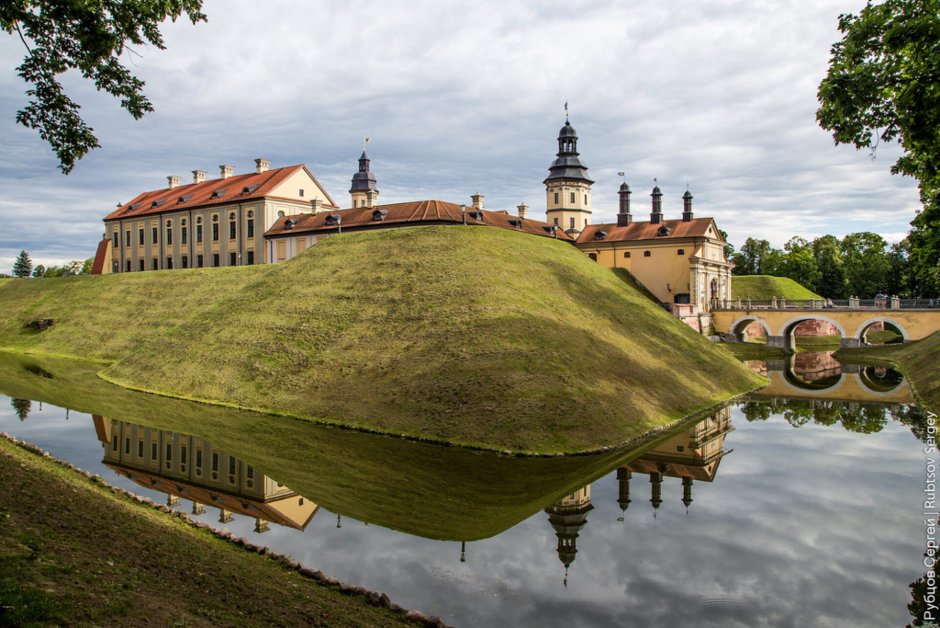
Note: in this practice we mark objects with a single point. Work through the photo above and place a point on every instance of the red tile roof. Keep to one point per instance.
(97, 266)
(413, 212)
(241, 187)
(645, 230)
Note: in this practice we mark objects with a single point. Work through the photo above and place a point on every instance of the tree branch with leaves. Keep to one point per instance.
(89, 36)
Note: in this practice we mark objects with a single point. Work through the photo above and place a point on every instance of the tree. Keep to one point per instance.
(39, 272)
(750, 261)
(883, 85)
(799, 263)
(87, 265)
(866, 263)
(828, 253)
(89, 37)
(23, 266)
(22, 408)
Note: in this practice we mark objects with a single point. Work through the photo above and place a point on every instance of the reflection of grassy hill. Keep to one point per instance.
(428, 490)
(466, 335)
(765, 287)
(917, 360)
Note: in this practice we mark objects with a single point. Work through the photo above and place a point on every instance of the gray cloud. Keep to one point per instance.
(463, 98)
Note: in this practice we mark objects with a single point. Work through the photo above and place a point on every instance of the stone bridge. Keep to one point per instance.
(780, 319)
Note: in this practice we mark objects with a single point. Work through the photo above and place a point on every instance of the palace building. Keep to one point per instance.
(270, 216)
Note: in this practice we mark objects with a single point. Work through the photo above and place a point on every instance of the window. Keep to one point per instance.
(183, 234)
(556, 222)
(169, 453)
(231, 230)
(680, 252)
(153, 451)
(198, 233)
(215, 232)
(199, 261)
(585, 199)
(215, 462)
(128, 266)
(626, 254)
(231, 466)
(114, 443)
(154, 264)
(572, 223)
(184, 261)
(646, 253)
(115, 266)
(250, 472)
(300, 192)
(198, 458)
(127, 445)
(232, 259)
(140, 448)
(251, 257)
(140, 236)
(556, 198)
(572, 197)
(127, 237)
(251, 228)
(215, 259)
(141, 264)
(169, 233)
(169, 262)
(116, 241)
(593, 256)
(153, 235)
(183, 453)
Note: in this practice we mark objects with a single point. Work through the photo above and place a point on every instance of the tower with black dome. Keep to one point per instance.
(568, 187)
(363, 191)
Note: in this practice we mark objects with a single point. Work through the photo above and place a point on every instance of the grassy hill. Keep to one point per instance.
(766, 287)
(471, 336)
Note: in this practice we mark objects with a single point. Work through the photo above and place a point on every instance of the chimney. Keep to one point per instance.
(656, 216)
(262, 165)
(316, 205)
(199, 176)
(477, 200)
(523, 209)
(173, 182)
(687, 207)
(624, 218)
(226, 171)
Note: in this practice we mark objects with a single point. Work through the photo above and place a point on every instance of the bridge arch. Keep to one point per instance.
(741, 323)
(859, 333)
(786, 329)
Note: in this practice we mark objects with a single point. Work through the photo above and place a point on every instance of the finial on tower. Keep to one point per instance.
(566, 111)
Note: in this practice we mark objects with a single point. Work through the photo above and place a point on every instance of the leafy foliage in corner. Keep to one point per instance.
(883, 85)
(89, 37)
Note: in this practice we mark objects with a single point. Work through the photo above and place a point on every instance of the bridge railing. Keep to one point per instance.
(853, 303)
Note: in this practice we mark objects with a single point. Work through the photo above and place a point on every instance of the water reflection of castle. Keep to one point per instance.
(189, 467)
(689, 455)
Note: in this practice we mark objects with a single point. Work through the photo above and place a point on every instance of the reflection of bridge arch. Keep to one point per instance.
(892, 381)
(860, 332)
(823, 386)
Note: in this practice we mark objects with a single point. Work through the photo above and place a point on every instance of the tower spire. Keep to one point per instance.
(568, 187)
(363, 192)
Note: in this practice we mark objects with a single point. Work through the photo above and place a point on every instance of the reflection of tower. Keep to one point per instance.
(623, 494)
(693, 454)
(567, 516)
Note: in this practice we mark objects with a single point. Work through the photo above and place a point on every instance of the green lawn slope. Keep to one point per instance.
(470, 336)
(766, 287)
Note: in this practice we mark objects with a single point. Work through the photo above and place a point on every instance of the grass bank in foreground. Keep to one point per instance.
(917, 360)
(72, 552)
(766, 287)
(480, 337)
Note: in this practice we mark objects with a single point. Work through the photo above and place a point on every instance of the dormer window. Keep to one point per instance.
(600, 235)
(476, 215)
(516, 222)
(183, 198)
(289, 223)
(158, 203)
(333, 219)
(219, 193)
(662, 231)
(379, 215)
(248, 189)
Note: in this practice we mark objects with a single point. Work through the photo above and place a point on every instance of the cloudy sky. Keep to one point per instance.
(461, 98)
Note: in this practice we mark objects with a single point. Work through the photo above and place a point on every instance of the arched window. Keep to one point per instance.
(680, 252)
(626, 254)
(646, 254)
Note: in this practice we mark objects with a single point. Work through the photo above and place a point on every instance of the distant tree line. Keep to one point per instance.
(860, 264)
(23, 267)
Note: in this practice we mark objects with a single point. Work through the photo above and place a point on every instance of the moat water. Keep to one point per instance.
(801, 505)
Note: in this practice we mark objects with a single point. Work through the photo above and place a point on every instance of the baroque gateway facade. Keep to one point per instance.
(270, 216)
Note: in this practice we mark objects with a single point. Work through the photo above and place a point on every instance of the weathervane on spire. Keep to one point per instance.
(566, 111)
(365, 141)
(621, 175)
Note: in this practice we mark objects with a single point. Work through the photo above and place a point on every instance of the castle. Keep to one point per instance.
(272, 215)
